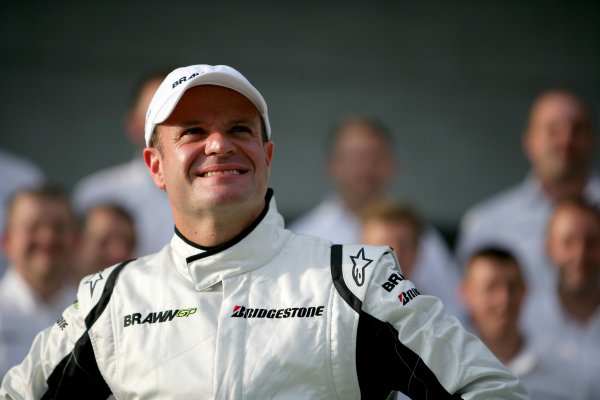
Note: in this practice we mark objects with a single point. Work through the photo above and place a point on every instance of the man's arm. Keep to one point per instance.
(28, 380)
(431, 350)
(405, 340)
(61, 362)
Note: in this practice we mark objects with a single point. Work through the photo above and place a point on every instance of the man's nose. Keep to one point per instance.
(219, 143)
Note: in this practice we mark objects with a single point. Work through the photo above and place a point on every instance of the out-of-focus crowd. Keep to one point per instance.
(523, 275)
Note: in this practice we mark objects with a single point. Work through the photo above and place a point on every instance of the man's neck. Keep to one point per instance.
(580, 305)
(47, 289)
(357, 206)
(215, 228)
(505, 346)
(565, 188)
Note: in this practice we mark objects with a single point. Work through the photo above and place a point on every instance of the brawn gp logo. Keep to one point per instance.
(154, 317)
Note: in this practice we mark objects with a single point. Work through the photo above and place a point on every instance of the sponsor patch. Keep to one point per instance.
(392, 281)
(359, 264)
(62, 323)
(154, 317)
(292, 312)
(94, 279)
(407, 296)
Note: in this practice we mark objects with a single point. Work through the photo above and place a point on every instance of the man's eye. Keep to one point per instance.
(240, 128)
(193, 131)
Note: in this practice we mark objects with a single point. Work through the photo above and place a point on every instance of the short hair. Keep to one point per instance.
(112, 207)
(373, 123)
(581, 100)
(578, 203)
(495, 253)
(119, 211)
(47, 191)
(391, 211)
(140, 83)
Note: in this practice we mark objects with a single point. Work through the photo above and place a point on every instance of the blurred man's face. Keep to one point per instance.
(40, 238)
(361, 164)
(399, 235)
(493, 292)
(107, 239)
(574, 247)
(559, 141)
(136, 118)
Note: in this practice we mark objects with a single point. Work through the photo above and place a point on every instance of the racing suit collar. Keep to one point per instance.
(251, 249)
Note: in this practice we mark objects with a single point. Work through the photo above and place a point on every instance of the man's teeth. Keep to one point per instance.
(231, 171)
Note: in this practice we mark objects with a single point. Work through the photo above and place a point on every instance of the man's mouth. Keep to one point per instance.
(227, 172)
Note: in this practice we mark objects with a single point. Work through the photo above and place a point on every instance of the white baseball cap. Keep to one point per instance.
(178, 81)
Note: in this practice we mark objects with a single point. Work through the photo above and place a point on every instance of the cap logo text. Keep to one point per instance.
(184, 79)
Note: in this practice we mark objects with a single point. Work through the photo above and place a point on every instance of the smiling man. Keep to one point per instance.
(238, 307)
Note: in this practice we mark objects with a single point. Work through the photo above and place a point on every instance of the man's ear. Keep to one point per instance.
(154, 162)
(269, 152)
(5, 243)
(463, 294)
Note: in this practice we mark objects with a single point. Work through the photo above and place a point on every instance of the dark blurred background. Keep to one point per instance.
(453, 80)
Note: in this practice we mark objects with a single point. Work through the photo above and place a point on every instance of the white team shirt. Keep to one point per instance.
(130, 186)
(23, 315)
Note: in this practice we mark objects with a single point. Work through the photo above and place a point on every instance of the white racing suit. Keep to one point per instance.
(268, 315)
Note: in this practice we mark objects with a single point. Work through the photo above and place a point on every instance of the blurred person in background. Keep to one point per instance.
(129, 185)
(107, 238)
(39, 240)
(566, 319)
(559, 143)
(493, 290)
(16, 173)
(361, 164)
(397, 225)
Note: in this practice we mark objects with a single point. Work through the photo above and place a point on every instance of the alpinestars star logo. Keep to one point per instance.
(359, 263)
(93, 281)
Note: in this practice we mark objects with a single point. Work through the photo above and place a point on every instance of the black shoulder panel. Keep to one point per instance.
(77, 375)
(338, 278)
(105, 297)
(384, 364)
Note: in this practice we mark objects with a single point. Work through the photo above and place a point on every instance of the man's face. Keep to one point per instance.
(493, 292)
(211, 155)
(361, 163)
(107, 239)
(40, 237)
(399, 235)
(136, 118)
(559, 141)
(574, 247)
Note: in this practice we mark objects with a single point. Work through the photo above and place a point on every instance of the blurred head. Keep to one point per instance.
(361, 160)
(108, 237)
(573, 244)
(559, 139)
(492, 291)
(40, 237)
(142, 93)
(394, 225)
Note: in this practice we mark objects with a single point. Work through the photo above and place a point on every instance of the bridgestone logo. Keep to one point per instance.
(293, 312)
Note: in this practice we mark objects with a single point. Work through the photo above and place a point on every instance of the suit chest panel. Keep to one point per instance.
(253, 338)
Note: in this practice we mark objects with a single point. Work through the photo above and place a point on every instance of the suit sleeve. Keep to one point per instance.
(406, 342)
(28, 379)
(61, 362)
